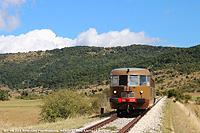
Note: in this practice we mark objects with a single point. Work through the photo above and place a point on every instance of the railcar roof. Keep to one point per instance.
(130, 69)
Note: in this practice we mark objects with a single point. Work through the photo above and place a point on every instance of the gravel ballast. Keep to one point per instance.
(151, 121)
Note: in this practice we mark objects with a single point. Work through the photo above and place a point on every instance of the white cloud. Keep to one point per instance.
(9, 14)
(32, 41)
(172, 45)
(46, 39)
(114, 38)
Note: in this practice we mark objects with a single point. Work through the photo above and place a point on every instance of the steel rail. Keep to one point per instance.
(98, 125)
(126, 128)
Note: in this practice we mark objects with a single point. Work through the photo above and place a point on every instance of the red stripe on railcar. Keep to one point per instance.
(127, 100)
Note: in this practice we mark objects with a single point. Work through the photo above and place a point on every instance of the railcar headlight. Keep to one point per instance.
(115, 91)
(141, 92)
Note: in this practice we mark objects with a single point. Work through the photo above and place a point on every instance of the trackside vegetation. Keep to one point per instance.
(177, 94)
(68, 104)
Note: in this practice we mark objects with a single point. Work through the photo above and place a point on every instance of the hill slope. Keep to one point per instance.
(76, 66)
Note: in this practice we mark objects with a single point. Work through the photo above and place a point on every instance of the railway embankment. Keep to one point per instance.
(180, 118)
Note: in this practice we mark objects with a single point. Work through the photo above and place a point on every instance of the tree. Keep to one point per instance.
(175, 93)
(4, 95)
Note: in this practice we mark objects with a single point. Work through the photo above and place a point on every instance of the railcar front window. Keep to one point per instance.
(122, 80)
(133, 80)
(148, 81)
(114, 80)
(142, 80)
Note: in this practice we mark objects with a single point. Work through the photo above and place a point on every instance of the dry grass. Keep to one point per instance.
(166, 125)
(179, 119)
(24, 115)
(20, 57)
(194, 95)
(17, 113)
(71, 123)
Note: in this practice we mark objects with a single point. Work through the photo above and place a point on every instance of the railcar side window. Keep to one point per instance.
(148, 81)
(133, 80)
(142, 80)
(122, 80)
(114, 80)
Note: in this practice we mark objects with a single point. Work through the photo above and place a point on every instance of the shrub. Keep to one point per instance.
(187, 97)
(175, 93)
(64, 104)
(158, 93)
(198, 101)
(160, 81)
(162, 88)
(4, 95)
(28, 96)
(165, 93)
(107, 82)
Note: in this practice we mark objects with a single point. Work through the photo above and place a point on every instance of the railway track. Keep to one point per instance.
(125, 128)
(132, 123)
(98, 125)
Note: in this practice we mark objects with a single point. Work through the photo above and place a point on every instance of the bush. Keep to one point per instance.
(198, 101)
(28, 96)
(175, 93)
(4, 95)
(158, 93)
(107, 82)
(160, 81)
(187, 97)
(165, 93)
(64, 104)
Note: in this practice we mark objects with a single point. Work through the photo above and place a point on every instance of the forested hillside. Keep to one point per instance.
(74, 67)
(182, 60)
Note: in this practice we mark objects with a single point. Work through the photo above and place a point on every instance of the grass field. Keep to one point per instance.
(180, 118)
(24, 114)
(17, 113)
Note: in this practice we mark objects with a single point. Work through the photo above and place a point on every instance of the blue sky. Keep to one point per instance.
(157, 22)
